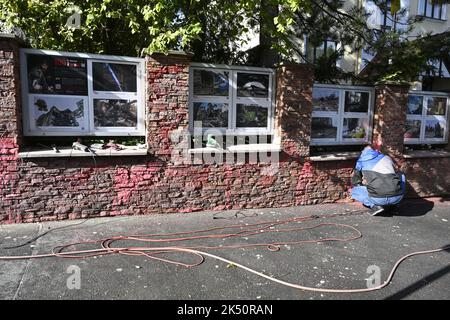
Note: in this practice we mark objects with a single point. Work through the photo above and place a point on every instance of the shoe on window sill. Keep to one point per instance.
(376, 210)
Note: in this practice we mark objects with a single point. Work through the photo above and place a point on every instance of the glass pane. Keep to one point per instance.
(322, 128)
(114, 77)
(58, 111)
(251, 115)
(436, 105)
(429, 8)
(325, 99)
(56, 75)
(415, 104)
(412, 129)
(212, 115)
(437, 11)
(355, 128)
(115, 113)
(252, 85)
(211, 83)
(331, 47)
(356, 101)
(434, 129)
(320, 50)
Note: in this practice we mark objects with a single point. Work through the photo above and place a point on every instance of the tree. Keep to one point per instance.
(135, 27)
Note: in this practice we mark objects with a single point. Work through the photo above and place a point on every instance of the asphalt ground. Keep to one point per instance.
(420, 224)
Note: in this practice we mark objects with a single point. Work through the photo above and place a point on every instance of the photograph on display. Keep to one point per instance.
(58, 111)
(212, 115)
(117, 77)
(412, 130)
(56, 75)
(115, 113)
(325, 99)
(354, 128)
(415, 104)
(251, 115)
(211, 83)
(252, 85)
(322, 128)
(356, 101)
(434, 129)
(436, 105)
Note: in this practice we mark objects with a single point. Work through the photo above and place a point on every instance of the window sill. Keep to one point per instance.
(70, 153)
(432, 19)
(414, 154)
(334, 156)
(242, 148)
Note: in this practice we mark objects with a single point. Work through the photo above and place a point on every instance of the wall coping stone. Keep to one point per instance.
(335, 156)
(426, 154)
(70, 153)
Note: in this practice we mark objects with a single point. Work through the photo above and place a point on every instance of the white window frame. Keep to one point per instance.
(90, 130)
(422, 6)
(341, 115)
(424, 116)
(232, 99)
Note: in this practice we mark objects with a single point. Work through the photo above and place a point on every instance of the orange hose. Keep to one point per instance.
(244, 231)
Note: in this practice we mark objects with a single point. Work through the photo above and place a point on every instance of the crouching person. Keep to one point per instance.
(375, 182)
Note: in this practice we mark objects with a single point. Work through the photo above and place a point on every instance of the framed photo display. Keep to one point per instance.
(68, 93)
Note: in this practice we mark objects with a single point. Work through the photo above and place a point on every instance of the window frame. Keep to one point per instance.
(232, 99)
(340, 115)
(422, 10)
(91, 130)
(423, 117)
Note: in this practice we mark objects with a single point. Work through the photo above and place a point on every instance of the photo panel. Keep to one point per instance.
(415, 105)
(412, 129)
(436, 106)
(251, 116)
(356, 101)
(325, 99)
(355, 128)
(253, 85)
(115, 113)
(57, 75)
(324, 128)
(434, 129)
(211, 83)
(114, 77)
(58, 113)
(212, 115)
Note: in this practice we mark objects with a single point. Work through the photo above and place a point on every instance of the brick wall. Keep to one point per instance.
(68, 188)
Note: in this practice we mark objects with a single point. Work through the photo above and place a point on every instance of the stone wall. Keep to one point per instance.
(41, 189)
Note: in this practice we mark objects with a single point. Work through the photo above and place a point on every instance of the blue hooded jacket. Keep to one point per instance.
(379, 174)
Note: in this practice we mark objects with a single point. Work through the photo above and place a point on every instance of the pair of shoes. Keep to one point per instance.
(376, 210)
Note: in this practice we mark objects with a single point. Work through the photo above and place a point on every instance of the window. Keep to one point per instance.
(326, 48)
(341, 115)
(232, 99)
(427, 118)
(67, 94)
(433, 9)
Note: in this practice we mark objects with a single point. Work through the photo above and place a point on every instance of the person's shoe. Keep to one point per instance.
(376, 210)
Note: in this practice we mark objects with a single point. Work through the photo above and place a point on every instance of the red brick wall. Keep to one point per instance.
(67, 188)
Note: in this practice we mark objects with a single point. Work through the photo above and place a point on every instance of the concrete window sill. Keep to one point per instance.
(70, 153)
(335, 156)
(242, 148)
(414, 154)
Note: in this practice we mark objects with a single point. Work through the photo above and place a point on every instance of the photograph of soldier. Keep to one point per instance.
(40, 79)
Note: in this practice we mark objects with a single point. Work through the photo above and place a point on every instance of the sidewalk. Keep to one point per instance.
(421, 224)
